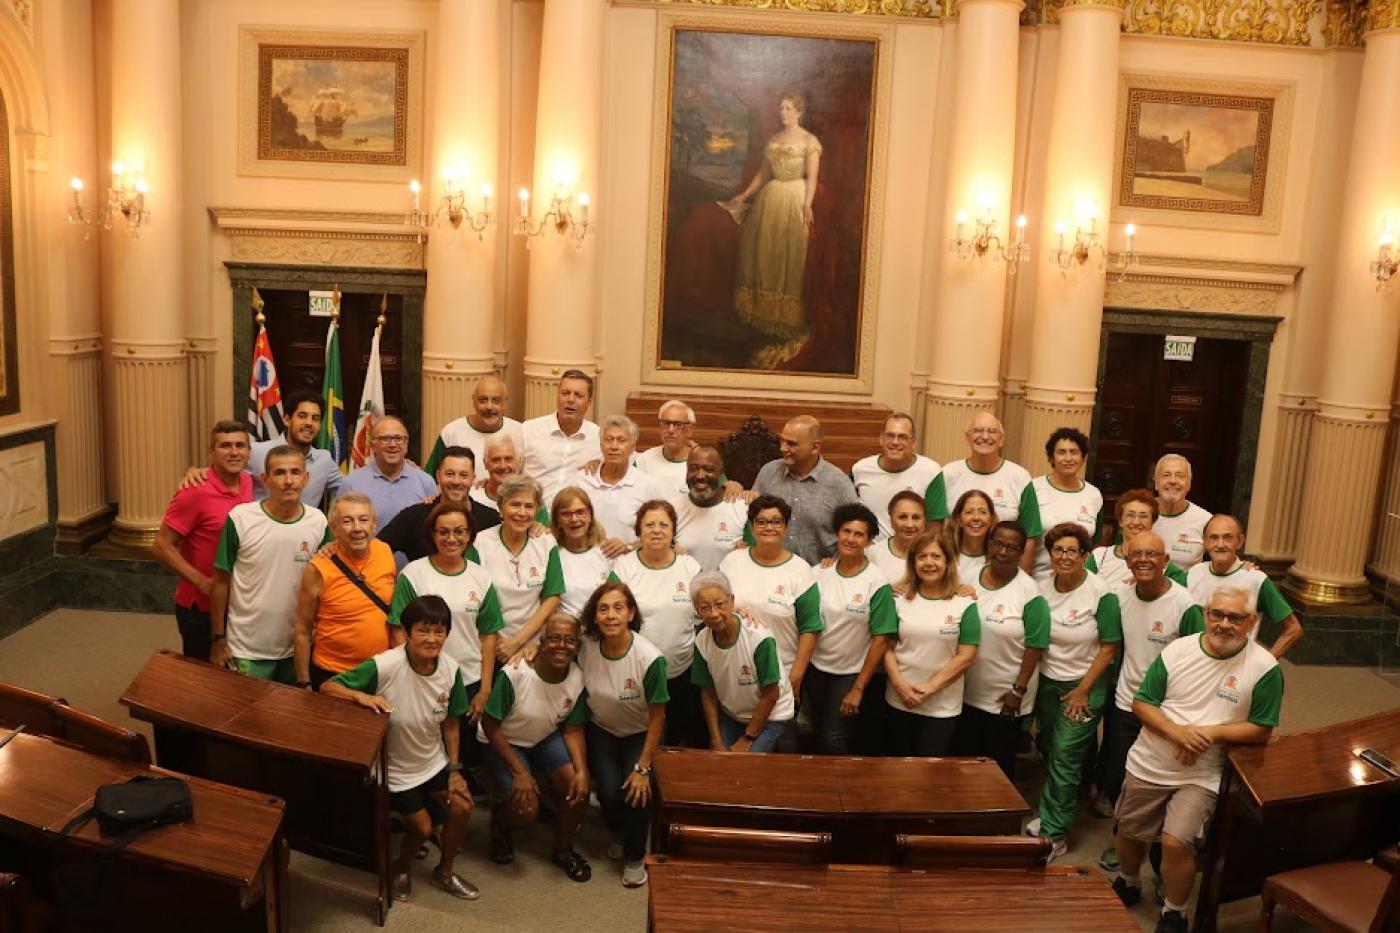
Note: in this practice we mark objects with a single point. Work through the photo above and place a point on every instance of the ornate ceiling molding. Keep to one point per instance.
(1189, 293)
(900, 9)
(319, 237)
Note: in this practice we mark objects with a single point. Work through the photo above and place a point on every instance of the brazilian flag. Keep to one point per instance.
(333, 433)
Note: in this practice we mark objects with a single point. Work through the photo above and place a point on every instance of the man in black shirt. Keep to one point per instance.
(456, 474)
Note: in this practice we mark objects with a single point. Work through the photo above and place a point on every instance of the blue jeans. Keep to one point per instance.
(547, 756)
(730, 729)
(611, 758)
(824, 695)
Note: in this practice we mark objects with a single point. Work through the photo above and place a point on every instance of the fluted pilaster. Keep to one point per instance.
(1045, 410)
(948, 410)
(1385, 556)
(447, 391)
(204, 410)
(1276, 537)
(1013, 411)
(151, 382)
(77, 376)
(542, 383)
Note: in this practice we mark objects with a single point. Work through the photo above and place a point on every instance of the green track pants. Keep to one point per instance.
(1063, 745)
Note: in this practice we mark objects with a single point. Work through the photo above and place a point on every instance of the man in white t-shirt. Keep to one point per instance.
(487, 420)
(258, 564)
(618, 487)
(708, 526)
(666, 461)
(1224, 539)
(897, 468)
(1006, 483)
(1200, 696)
(557, 444)
(1180, 522)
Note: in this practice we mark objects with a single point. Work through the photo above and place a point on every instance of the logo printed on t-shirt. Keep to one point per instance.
(1229, 690)
(629, 690)
(723, 527)
(746, 677)
(303, 553)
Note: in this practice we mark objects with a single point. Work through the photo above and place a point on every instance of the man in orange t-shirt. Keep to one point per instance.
(338, 624)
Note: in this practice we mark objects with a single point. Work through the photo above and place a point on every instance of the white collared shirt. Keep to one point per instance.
(551, 456)
(615, 505)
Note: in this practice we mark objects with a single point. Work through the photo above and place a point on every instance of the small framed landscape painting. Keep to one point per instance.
(338, 105)
(1202, 152)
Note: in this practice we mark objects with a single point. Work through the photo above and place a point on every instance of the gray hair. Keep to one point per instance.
(499, 440)
(676, 403)
(1231, 590)
(710, 578)
(352, 498)
(623, 422)
(1164, 458)
(517, 483)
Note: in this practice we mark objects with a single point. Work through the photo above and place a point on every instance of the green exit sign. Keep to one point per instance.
(1179, 349)
(322, 303)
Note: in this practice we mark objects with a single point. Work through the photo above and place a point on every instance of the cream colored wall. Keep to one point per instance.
(628, 187)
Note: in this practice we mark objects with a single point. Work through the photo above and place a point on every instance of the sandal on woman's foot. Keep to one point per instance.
(422, 852)
(502, 852)
(574, 865)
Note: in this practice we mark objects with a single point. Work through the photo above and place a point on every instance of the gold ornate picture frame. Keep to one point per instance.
(323, 104)
(718, 315)
(1202, 152)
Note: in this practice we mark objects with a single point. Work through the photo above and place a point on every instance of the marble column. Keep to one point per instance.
(74, 303)
(563, 305)
(966, 305)
(1346, 446)
(459, 312)
(148, 378)
(1060, 388)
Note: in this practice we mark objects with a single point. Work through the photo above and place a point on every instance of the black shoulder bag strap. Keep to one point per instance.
(359, 581)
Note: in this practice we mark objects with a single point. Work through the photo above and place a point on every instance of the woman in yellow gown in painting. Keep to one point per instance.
(773, 236)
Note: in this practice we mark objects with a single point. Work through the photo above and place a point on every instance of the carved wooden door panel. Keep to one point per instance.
(1149, 406)
(299, 345)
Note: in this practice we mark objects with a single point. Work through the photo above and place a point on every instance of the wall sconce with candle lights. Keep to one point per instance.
(452, 207)
(567, 219)
(125, 196)
(1387, 261)
(984, 241)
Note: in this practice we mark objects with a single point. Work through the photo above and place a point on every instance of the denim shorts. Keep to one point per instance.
(548, 755)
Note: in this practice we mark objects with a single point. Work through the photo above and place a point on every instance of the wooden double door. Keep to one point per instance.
(1150, 406)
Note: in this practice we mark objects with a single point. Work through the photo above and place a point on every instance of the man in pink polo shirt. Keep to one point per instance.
(189, 533)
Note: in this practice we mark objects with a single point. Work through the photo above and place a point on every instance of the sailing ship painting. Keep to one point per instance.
(330, 109)
(333, 104)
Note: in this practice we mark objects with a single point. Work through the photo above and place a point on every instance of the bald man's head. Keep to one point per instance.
(801, 444)
(390, 444)
(1223, 537)
(488, 403)
(985, 435)
(1147, 557)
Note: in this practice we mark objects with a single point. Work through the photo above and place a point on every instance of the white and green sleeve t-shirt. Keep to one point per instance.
(784, 596)
(1014, 617)
(1083, 506)
(264, 558)
(663, 596)
(421, 702)
(529, 708)
(854, 610)
(1148, 627)
(1191, 686)
(1109, 564)
(1202, 581)
(476, 611)
(521, 578)
(1081, 621)
(876, 486)
(1184, 534)
(738, 672)
(654, 462)
(620, 690)
(970, 567)
(887, 561)
(584, 572)
(1008, 486)
(708, 533)
(930, 631)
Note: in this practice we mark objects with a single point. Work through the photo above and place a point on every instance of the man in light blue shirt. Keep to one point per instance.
(305, 408)
(390, 481)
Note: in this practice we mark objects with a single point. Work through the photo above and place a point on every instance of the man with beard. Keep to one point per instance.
(456, 475)
(707, 525)
(1180, 522)
(487, 420)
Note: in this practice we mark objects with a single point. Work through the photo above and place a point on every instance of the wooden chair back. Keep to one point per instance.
(31, 709)
(972, 851)
(749, 845)
(101, 737)
(747, 450)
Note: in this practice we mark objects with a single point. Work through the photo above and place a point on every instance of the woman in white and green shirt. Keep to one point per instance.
(858, 620)
(973, 517)
(891, 555)
(580, 534)
(1136, 511)
(624, 680)
(524, 569)
(659, 579)
(1063, 495)
(936, 644)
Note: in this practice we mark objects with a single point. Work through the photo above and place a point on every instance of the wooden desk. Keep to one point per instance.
(223, 870)
(1301, 800)
(863, 802)
(317, 753)
(685, 896)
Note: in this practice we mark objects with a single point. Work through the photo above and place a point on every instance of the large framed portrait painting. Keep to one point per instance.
(763, 249)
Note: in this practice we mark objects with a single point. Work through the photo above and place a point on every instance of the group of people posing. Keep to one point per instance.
(582, 604)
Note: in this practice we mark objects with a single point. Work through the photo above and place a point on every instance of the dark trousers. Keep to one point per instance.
(685, 716)
(989, 735)
(1120, 731)
(874, 733)
(611, 759)
(319, 675)
(469, 750)
(922, 736)
(194, 632)
(824, 695)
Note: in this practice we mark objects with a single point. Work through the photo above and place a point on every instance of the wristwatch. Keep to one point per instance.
(1019, 690)
(454, 766)
(751, 738)
(640, 770)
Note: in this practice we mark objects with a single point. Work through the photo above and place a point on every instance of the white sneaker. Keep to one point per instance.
(1058, 848)
(1032, 828)
(615, 850)
(634, 874)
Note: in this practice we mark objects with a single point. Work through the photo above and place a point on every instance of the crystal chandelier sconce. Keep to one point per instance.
(452, 208)
(1387, 261)
(984, 241)
(126, 197)
(1086, 242)
(1122, 262)
(564, 216)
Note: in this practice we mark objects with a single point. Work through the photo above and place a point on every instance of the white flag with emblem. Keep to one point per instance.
(371, 404)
